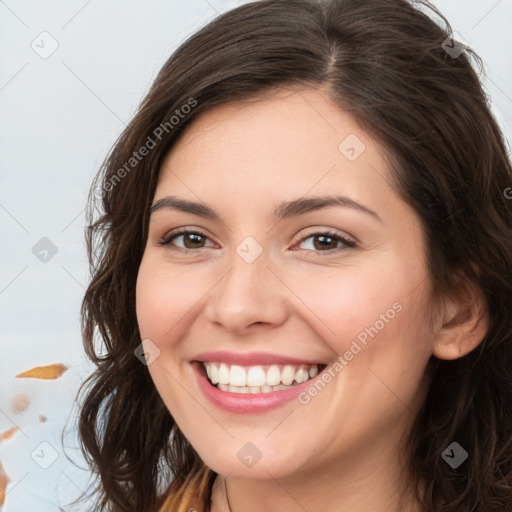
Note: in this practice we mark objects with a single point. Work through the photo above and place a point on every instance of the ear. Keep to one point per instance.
(464, 322)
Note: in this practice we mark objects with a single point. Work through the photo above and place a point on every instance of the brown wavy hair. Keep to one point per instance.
(386, 62)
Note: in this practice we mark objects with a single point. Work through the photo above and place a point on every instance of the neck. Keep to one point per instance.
(361, 481)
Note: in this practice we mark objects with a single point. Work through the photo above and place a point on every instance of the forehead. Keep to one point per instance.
(282, 145)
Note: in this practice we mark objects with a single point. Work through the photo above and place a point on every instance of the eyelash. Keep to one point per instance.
(350, 244)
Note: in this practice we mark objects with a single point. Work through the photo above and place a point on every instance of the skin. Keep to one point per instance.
(344, 449)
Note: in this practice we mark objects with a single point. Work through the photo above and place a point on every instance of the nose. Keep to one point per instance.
(248, 296)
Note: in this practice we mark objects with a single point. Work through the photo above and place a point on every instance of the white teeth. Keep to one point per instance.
(301, 376)
(237, 376)
(223, 373)
(273, 375)
(256, 376)
(258, 379)
(288, 375)
(214, 373)
(237, 389)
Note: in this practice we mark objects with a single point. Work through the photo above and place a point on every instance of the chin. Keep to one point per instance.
(244, 468)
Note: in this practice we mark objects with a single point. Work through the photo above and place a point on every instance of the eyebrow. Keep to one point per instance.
(283, 210)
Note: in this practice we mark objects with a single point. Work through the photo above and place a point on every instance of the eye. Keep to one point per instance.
(326, 240)
(189, 237)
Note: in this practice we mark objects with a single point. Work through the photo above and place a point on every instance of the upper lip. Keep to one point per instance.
(251, 358)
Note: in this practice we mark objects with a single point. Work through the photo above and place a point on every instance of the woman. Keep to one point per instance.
(302, 274)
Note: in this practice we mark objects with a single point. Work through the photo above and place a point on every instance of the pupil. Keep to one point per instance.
(324, 238)
(192, 236)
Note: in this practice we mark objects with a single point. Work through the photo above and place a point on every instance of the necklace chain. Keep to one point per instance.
(227, 497)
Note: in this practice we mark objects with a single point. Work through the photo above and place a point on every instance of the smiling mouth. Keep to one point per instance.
(258, 378)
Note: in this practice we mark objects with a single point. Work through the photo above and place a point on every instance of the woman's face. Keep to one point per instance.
(264, 290)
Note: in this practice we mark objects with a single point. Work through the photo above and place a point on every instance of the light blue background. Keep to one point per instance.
(59, 117)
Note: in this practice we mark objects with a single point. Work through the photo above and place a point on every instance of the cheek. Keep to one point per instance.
(372, 316)
(163, 299)
(345, 301)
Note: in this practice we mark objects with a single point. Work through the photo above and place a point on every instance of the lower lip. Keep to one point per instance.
(247, 403)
